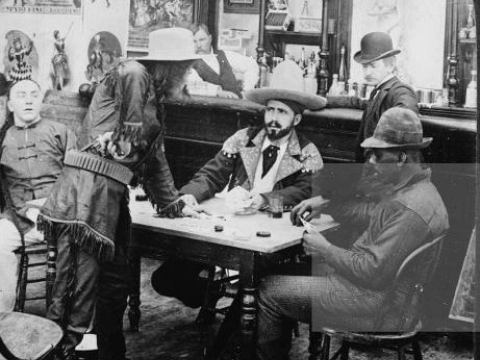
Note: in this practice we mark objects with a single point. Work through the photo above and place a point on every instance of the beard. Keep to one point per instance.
(275, 131)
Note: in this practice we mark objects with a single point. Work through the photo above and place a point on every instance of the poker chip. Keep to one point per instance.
(263, 234)
(218, 228)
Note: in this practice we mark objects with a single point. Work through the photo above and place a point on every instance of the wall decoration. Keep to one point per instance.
(21, 58)
(149, 15)
(104, 52)
(60, 72)
(41, 6)
(106, 1)
(241, 6)
(417, 28)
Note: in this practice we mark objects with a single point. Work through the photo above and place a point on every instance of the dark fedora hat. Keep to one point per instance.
(397, 128)
(375, 46)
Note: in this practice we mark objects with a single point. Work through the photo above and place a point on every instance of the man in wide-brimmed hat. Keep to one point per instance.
(352, 291)
(88, 206)
(260, 162)
(378, 59)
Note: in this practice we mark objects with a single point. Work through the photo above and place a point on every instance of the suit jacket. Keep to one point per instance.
(236, 164)
(390, 94)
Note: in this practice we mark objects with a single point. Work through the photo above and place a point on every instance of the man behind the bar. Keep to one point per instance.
(219, 68)
(378, 59)
(32, 150)
(267, 160)
(352, 291)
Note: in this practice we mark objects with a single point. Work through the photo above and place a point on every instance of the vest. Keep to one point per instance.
(226, 79)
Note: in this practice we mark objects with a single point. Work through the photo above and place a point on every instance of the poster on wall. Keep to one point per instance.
(20, 56)
(41, 6)
(149, 15)
(417, 28)
(104, 52)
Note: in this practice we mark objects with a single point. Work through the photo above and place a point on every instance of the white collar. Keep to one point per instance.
(385, 79)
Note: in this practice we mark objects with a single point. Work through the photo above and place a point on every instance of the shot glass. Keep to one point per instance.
(276, 206)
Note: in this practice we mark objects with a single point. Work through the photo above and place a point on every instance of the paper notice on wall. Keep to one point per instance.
(41, 6)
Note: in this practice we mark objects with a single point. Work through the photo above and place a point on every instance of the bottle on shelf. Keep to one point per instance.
(351, 91)
(334, 90)
(264, 72)
(310, 80)
(342, 72)
(303, 61)
(471, 93)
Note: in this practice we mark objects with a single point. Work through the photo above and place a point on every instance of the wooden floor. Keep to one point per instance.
(168, 332)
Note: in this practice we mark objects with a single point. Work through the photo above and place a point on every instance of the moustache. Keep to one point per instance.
(274, 124)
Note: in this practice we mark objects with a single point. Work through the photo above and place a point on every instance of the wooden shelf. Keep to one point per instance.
(291, 37)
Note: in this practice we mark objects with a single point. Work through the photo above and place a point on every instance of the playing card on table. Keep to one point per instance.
(311, 229)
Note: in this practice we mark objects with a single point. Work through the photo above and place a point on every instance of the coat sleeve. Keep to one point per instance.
(212, 177)
(373, 260)
(346, 102)
(405, 97)
(157, 179)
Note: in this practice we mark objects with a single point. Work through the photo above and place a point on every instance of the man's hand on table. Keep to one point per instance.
(308, 209)
(192, 207)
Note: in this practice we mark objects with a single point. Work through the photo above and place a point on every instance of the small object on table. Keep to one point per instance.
(276, 206)
(264, 234)
(218, 228)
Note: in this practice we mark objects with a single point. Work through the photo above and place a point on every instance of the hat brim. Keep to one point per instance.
(359, 58)
(166, 58)
(374, 143)
(262, 96)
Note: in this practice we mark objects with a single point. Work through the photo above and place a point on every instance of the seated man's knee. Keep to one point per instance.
(11, 239)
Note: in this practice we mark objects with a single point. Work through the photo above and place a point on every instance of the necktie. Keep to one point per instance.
(373, 93)
(269, 158)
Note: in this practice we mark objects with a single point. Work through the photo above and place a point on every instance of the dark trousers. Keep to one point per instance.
(87, 289)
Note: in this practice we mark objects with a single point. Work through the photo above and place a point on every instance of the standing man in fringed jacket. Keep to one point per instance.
(88, 207)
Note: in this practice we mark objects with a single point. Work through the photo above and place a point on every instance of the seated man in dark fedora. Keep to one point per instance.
(378, 59)
(267, 160)
(352, 290)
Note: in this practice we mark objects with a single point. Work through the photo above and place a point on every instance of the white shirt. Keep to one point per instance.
(266, 184)
(244, 68)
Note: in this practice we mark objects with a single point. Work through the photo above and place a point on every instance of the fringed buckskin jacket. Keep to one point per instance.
(88, 194)
(236, 165)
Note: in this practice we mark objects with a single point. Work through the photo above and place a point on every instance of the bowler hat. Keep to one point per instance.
(286, 84)
(397, 128)
(170, 44)
(375, 46)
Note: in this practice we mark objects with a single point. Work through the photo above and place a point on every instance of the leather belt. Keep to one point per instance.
(99, 165)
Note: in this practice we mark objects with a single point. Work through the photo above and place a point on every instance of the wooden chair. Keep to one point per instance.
(421, 263)
(49, 254)
(26, 336)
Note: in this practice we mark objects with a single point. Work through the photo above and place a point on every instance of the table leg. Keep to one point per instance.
(134, 312)
(248, 322)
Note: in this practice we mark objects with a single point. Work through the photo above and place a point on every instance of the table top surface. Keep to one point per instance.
(239, 231)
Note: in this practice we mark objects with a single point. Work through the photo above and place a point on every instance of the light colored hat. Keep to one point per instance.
(171, 44)
(397, 128)
(286, 84)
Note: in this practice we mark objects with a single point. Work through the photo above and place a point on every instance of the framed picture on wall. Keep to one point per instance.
(241, 6)
(146, 16)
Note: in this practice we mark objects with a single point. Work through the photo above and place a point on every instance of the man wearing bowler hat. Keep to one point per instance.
(352, 291)
(87, 208)
(377, 57)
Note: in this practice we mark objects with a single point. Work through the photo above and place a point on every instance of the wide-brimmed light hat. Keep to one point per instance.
(375, 46)
(398, 128)
(286, 84)
(171, 44)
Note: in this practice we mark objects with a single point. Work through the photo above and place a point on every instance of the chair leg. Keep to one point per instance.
(51, 272)
(22, 283)
(206, 316)
(417, 351)
(317, 346)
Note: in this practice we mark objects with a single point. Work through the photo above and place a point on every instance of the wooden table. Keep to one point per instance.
(237, 247)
